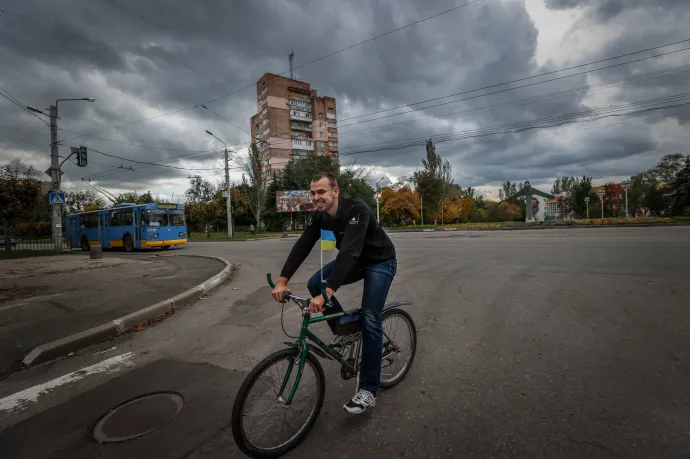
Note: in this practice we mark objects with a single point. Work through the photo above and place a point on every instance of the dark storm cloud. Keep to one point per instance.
(140, 59)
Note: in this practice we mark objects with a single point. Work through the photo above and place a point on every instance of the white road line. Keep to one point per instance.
(21, 400)
(14, 305)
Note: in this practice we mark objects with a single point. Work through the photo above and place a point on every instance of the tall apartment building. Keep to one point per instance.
(292, 120)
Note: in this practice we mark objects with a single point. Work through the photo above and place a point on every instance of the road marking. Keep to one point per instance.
(14, 305)
(21, 400)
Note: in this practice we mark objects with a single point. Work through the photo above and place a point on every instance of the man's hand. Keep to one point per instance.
(280, 289)
(318, 304)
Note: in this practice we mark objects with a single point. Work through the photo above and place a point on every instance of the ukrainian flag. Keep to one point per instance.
(327, 240)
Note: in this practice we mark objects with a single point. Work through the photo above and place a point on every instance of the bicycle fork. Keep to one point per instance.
(304, 352)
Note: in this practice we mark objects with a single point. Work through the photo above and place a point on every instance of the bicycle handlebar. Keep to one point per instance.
(323, 289)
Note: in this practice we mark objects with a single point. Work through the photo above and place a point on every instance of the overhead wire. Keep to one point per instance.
(283, 73)
(519, 126)
(506, 89)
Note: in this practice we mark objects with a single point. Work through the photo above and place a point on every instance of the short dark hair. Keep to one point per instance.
(326, 175)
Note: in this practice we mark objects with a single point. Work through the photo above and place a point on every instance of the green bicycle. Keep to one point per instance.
(289, 385)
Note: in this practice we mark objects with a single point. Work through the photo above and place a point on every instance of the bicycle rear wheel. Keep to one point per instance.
(399, 346)
(267, 427)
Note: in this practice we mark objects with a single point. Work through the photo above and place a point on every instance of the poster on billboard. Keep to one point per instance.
(294, 201)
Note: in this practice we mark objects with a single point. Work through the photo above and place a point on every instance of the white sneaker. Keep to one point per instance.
(360, 402)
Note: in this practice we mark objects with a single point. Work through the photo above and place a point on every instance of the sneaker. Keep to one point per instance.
(360, 402)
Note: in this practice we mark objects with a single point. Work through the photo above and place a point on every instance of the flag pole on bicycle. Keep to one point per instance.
(327, 243)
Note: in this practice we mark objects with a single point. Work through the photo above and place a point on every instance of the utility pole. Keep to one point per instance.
(55, 209)
(626, 185)
(378, 195)
(229, 202)
(587, 201)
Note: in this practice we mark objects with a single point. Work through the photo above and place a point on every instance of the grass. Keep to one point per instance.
(242, 236)
(5, 255)
(584, 222)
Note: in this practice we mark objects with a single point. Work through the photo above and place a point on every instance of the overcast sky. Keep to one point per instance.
(144, 59)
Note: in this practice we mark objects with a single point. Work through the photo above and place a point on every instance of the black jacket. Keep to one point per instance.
(358, 237)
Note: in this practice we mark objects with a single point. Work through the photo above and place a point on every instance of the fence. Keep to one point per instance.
(45, 243)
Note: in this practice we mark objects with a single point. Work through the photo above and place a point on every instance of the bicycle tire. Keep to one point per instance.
(413, 342)
(238, 433)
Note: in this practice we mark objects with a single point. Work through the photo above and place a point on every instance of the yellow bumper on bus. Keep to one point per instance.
(158, 243)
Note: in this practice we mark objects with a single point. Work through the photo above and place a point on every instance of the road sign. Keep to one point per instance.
(49, 173)
(57, 197)
(602, 193)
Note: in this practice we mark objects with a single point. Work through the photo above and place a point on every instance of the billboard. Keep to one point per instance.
(294, 201)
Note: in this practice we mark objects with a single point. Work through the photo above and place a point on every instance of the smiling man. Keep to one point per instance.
(365, 252)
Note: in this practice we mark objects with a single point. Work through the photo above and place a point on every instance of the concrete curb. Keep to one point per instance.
(99, 333)
(540, 227)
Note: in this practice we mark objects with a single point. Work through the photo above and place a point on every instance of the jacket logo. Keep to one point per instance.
(354, 220)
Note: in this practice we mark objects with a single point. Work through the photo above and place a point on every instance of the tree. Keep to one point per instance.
(146, 198)
(80, 201)
(667, 168)
(258, 179)
(19, 195)
(508, 189)
(434, 181)
(401, 206)
(576, 190)
(679, 195)
(201, 207)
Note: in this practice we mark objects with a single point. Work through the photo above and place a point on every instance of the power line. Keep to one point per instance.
(227, 121)
(518, 80)
(17, 129)
(525, 101)
(525, 125)
(300, 66)
(132, 144)
(150, 163)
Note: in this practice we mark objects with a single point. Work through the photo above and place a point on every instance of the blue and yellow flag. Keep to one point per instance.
(327, 240)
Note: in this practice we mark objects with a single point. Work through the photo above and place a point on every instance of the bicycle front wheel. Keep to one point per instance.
(399, 346)
(263, 424)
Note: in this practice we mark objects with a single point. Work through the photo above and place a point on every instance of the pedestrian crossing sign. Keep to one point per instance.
(57, 197)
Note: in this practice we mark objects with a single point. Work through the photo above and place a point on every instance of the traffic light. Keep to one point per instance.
(81, 157)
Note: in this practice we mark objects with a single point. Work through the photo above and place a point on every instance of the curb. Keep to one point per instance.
(540, 227)
(115, 327)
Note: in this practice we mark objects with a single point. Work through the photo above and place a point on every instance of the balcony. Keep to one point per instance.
(300, 115)
(330, 115)
(302, 144)
(301, 127)
(297, 104)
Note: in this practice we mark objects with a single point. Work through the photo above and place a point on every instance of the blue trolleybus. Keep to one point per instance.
(129, 226)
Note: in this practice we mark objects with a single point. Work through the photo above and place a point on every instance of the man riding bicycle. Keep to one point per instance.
(365, 252)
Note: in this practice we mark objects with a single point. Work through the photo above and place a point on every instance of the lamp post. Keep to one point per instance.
(587, 201)
(626, 185)
(228, 204)
(378, 215)
(54, 171)
(601, 198)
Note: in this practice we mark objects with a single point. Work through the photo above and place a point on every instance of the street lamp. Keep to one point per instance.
(587, 201)
(378, 215)
(626, 185)
(55, 166)
(228, 204)
(601, 198)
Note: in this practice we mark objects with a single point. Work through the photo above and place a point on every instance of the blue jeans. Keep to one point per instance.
(377, 281)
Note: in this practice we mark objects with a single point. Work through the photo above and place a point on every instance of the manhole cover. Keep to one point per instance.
(138, 417)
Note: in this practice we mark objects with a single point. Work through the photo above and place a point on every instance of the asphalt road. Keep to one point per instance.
(569, 343)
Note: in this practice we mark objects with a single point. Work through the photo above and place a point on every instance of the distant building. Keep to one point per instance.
(292, 120)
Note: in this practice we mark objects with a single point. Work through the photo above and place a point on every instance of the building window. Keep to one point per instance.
(332, 134)
(332, 125)
(330, 115)
(321, 144)
(320, 124)
(332, 144)
(321, 134)
(264, 111)
(265, 122)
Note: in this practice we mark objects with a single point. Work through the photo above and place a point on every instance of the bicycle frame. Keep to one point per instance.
(305, 335)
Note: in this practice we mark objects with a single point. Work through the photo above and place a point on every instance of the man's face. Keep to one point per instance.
(322, 195)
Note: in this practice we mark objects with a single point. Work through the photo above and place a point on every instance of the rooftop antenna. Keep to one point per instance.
(292, 64)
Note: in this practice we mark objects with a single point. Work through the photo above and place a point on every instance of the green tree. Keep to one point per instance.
(679, 188)
(201, 208)
(434, 181)
(256, 180)
(19, 195)
(78, 201)
(667, 168)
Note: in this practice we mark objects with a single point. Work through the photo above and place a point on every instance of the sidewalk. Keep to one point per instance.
(48, 298)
